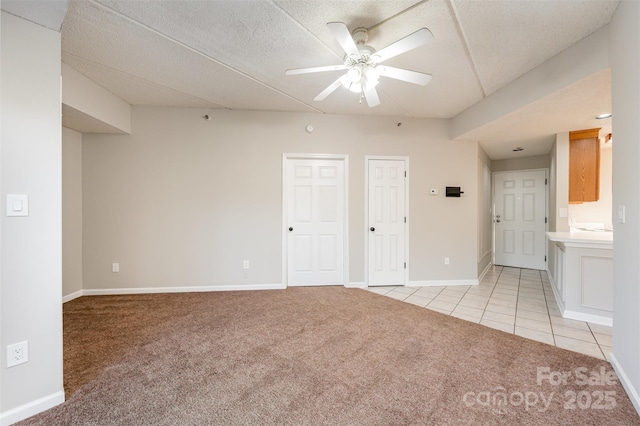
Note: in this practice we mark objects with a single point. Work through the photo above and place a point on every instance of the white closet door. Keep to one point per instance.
(386, 222)
(315, 194)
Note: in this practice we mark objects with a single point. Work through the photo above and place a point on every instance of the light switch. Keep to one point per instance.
(621, 214)
(17, 205)
(563, 212)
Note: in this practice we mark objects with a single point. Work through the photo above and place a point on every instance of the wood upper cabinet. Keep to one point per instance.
(584, 166)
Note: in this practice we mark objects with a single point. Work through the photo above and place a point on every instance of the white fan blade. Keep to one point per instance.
(316, 69)
(343, 36)
(405, 75)
(371, 95)
(332, 88)
(410, 42)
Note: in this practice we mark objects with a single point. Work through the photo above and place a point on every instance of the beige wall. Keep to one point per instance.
(31, 271)
(71, 212)
(183, 201)
(523, 163)
(485, 211)
(84, 101)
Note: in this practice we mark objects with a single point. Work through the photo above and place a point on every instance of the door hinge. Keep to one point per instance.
(405, 265)
(405, 174)
(545, 220)
(405, 219)
(545, 258)
(545, 181)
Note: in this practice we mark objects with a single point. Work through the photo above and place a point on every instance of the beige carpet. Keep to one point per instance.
(314, 356)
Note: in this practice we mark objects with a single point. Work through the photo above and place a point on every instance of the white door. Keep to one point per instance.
(386, 222)
(315, 216)
(520, 209)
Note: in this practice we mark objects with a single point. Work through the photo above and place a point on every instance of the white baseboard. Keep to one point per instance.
(485, 271)
(434, 283)
(32, 408)
(559, 301)
(70, 297)
(626, 383)
(356, 285)
(193, 289)
(579, 316)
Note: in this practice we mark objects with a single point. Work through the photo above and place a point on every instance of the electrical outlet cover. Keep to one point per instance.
(17, 353)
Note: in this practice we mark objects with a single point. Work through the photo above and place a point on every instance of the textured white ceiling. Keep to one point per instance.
(47, 13)
(571, 108)
(233, 53)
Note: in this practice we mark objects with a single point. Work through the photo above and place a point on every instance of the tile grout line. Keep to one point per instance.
(546, 303)
(490, 295)
(596, 339)
(495, 284)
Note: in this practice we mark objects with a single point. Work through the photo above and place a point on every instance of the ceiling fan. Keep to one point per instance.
(363, 63)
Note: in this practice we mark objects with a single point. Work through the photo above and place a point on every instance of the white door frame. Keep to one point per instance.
(366, 213)
(493, 209)
(285, 220)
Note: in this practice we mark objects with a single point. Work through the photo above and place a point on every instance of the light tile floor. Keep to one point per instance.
(514, 300)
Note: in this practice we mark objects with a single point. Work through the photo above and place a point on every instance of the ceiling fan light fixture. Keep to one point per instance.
(355, 74)
(372, 75)
(355, 87)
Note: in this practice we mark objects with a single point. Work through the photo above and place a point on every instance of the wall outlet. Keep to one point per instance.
(245, 264)
(115, 267)
(621, 214)
(446, 260)
(18, 353)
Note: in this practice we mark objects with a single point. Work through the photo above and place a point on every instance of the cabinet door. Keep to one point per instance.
(584, 170)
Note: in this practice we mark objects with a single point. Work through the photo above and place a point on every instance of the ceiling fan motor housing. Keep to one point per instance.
(360, 35)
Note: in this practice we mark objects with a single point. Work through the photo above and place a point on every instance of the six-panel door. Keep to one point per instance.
(386, 222)
(520, 208)
(315, 213)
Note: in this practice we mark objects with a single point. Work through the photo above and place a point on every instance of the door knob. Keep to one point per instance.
(372, 229)
(498, 216)
(498, 220)
(290, 228)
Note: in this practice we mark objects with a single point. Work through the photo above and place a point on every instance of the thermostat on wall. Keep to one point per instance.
(454, 191)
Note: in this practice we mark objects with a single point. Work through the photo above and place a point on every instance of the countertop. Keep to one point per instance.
(582, 238)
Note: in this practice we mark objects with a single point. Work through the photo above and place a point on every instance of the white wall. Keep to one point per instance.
(559, 183)
(182, 201)
(71, 213)
(625, 76)
(30, 294)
